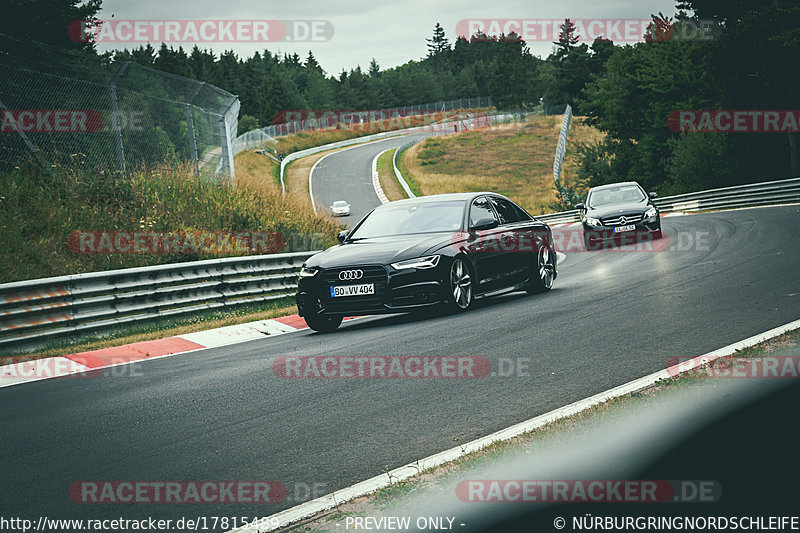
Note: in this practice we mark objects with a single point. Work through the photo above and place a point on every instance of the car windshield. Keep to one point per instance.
(616, 195)
(405, 219)
(340, 203)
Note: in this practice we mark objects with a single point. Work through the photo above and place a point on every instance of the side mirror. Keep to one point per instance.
(580, 207)
(342, 236)
(485, 223)
(653, 195)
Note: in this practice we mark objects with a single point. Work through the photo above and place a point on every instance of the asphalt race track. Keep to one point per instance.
(222, 414)
(347, 175)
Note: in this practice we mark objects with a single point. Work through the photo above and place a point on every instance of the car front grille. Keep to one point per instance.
(343, 304)
(617, 220)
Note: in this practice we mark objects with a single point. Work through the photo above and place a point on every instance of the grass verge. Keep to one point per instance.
(389, 183)
(403, 168)
(512, 159)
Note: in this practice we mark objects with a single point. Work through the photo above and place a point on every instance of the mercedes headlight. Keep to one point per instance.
(420, 262)
(592, 221)
(651, 212)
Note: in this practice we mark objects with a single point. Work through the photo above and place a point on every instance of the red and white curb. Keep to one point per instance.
(324, 503)
(84, 362)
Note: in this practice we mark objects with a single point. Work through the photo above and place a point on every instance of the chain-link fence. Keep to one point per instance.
(73, 108)
(333, 118)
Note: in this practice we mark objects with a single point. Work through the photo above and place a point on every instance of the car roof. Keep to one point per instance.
(610, 185)
(445, 197)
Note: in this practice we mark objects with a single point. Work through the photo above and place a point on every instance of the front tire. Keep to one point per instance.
(460, 286)
(544, 275)
(322, 323)
(590, 243)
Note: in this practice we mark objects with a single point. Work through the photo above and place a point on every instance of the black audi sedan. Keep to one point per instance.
(441, 250)
(619, 212)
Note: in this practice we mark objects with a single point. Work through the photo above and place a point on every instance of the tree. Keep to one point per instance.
(512, 82)
(374, 68)
(247, 123)
(438, 43)
(567, 39)
(54, 22)
(311, 63)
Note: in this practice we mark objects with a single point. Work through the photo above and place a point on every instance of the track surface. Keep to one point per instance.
(347, 175)
(221, 414)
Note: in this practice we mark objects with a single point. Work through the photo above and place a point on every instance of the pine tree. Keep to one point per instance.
(438, 43)
(374, 68)
(312, 64)
(567, 39)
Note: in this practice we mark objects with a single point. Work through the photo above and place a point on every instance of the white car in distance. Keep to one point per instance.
(340, 208)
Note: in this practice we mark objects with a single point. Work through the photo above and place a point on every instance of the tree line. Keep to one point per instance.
(629, 92)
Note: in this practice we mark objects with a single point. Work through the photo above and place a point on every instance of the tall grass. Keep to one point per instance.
(39, 209)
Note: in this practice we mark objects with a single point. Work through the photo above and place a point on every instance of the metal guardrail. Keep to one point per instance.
(397, 172)
(33, 313)
(751, 195)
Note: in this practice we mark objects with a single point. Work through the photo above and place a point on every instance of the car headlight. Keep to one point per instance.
(651, 212)
(306, 272)
(592, 221)
(420, 262)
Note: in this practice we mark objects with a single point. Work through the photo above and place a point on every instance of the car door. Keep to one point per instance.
(515, 257)
(485, 244)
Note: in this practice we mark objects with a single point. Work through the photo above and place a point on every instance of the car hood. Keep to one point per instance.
(619, 209)
(379, 250)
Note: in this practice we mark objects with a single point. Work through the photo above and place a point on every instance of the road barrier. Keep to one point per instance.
(34, 313)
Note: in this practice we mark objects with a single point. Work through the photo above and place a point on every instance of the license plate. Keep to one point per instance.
(353, 290)
(630, 227)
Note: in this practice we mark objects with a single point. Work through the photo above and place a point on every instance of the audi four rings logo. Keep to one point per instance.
(345, 275)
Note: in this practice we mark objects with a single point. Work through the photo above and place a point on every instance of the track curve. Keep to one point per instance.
(222, 414)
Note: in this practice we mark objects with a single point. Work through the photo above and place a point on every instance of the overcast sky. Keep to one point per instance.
(391, 32)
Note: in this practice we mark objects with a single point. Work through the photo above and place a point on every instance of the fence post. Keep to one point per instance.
(190, 127)
(226, 157)
(115, 125)
(561, 148)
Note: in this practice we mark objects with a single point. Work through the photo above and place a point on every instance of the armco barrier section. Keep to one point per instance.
(35, 312)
